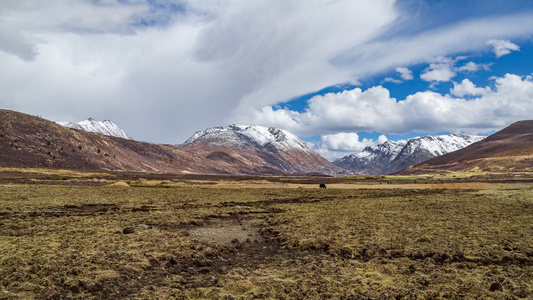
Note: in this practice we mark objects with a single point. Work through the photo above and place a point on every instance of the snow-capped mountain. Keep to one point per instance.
(106, 127)
(390, 156)
(372, 159)
(245, 136)
(256, 147)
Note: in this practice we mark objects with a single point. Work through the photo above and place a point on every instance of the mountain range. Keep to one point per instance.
(391, 156)
(30, 141)
(384, 158)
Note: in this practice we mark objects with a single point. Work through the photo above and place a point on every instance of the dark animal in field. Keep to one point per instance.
(322, 186)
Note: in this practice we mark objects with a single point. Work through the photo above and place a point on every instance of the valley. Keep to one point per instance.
(116, 235)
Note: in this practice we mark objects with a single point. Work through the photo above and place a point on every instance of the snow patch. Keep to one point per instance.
(105, 127)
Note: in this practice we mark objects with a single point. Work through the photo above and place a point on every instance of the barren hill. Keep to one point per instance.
(29, 141)
(508, 150)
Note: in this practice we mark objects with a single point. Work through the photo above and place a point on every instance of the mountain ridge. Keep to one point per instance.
(508, 150)
(29, 141)
(390, 157)
(260, 145)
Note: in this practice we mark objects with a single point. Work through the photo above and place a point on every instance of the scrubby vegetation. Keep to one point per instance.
(80, 236)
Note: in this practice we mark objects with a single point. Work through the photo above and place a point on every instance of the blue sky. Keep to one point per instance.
(341, 74)
(518, 62)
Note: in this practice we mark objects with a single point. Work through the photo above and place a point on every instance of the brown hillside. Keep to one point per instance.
(30, 141)
(508, 150)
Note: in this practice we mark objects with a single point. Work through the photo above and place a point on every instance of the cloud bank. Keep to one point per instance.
(374, 110)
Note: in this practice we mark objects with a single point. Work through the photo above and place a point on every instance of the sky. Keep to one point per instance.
(340, 74)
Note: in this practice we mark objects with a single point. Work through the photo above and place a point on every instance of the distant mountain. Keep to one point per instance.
(256, 148)
(508, 150)
(390, 157)
(372, 160)
(105, 127)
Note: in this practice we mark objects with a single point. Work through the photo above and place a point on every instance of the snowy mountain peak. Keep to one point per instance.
(244, 136)
(105, 127)
(441, 144)
(391, 156)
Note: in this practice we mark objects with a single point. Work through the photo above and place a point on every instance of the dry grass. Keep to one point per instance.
(190, 242)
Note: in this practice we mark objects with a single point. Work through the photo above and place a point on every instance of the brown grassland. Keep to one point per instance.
(70, 235)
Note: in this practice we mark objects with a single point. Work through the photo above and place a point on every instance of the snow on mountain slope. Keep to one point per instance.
(252, 135)
(390, 157)
(440, 144)
(103, 127)
(371, 159)
(252, 148)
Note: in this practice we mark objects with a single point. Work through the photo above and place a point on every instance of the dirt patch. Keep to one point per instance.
(228, 231)
(242, 242)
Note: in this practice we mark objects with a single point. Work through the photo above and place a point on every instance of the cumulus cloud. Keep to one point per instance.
(503, 47)
(374, 110)
(473, 67)
(468, 88)
(405, 73)
(444, 69)
(439, 72)
(341, 144)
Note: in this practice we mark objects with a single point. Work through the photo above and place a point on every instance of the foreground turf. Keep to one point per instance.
(173, 241)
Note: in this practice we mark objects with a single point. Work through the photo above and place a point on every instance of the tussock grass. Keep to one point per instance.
(69, 242)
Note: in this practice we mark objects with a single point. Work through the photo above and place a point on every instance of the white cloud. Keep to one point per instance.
(503, 47)
(374, 110)
(473, 67)
(468, 88)
(23, 21)
(208, 64)
(405, 73)
(444, 69)
(439, 72)
(382, 139)
(341, 144)
(393, 80)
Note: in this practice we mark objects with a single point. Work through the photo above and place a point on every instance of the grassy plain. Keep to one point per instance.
(73, 235)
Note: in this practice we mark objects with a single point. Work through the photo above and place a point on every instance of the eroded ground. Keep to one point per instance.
(159, 238)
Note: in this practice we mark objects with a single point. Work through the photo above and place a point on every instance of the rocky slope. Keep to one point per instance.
(105, 127)
(390, 157)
